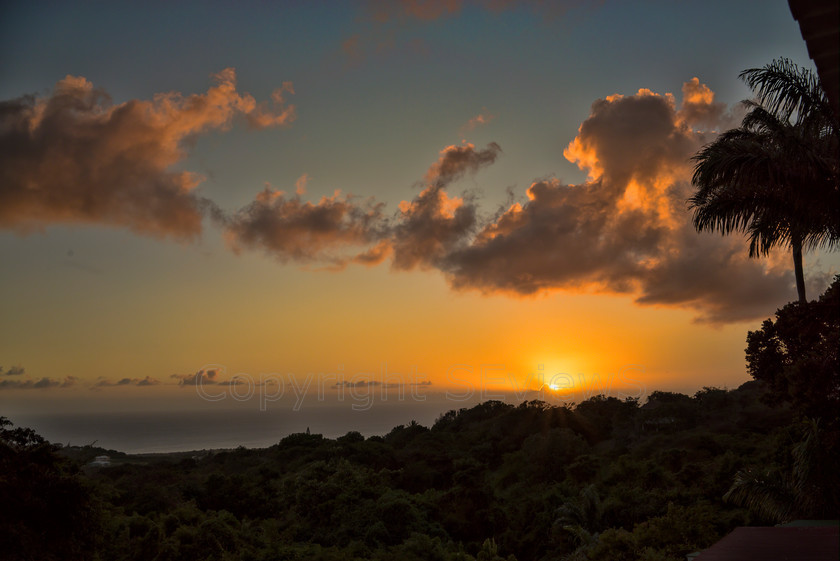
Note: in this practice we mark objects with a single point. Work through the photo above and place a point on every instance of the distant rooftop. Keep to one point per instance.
(795, 542)
(819, 23)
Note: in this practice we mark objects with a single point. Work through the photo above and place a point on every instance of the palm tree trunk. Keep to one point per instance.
(797, 269)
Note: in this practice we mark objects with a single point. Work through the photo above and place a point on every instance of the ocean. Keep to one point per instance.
(214, 428)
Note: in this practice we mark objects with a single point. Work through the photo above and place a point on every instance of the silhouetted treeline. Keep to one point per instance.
(607, 479)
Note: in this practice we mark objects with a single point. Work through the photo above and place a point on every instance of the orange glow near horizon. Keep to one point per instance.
(576, 334)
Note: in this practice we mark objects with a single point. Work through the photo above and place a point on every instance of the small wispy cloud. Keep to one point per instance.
(147, 381)
(377, 384)
(12, 371)
(40, 383)
(482, 118)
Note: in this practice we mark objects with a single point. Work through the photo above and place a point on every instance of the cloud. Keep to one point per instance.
(202, 377)
(301, 183)
(291, 229)
(699, 108)
(13, 371)
(376, 383)
(75, 157)
(627, 229)
(34, 384)
(147, 381)
(375, 255)
(351, 47)
(481, 119)
(456, 161)
(383, 11)
(434, 224)
(387, 25)
(340, 230)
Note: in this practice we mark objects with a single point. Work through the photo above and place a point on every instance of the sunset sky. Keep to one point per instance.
(467, 194)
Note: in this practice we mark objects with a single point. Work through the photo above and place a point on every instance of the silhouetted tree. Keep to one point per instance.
(776, 176)
(797, 356)
(806, 488)
(46, 511)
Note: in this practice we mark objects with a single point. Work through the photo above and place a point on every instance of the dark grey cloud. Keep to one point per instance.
(42, 383)
(291, 229)
(75, 157)
(376, 383)
(12, 371)
(147, 381)
(202, 377)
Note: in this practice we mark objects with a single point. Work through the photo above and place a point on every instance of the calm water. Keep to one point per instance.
(137, 432)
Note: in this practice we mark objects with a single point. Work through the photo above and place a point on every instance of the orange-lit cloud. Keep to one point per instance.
(290, 229)
(426, 229)
(627, 229)
(434, 224)
(481, 119)
(301, 183)
(700, 110)
(375, 255)
(75, 157)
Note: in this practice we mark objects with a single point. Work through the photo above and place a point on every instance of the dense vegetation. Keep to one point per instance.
(607, 480)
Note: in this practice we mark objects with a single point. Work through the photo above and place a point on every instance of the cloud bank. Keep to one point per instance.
(38, 384)
(627, 229)
(147, 381)
(75, 157)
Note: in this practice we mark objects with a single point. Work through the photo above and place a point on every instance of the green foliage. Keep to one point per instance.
(797, 356)
(46, 508)
(803, 487)
(494, 482)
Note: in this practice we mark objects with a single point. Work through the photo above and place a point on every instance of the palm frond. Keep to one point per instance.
(787, 90)
(770, 497)
(770, 179)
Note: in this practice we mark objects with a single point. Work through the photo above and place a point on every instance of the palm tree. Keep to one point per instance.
(804, 489)
(775, 177)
